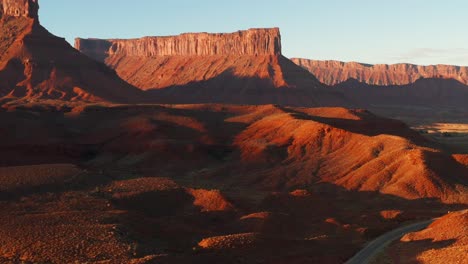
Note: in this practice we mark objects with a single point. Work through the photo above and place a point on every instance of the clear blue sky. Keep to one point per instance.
(372, 31)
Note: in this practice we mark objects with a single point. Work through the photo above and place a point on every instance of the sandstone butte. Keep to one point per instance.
(244, 67)
(334, 72)
(250, 42)
(36, 64)
(160, 62)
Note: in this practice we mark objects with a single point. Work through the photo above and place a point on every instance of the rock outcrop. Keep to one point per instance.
(249, 42)
(335, 72)
(20, 8)
(36, 64)
(444, 241)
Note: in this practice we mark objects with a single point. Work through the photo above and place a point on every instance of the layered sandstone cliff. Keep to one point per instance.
(19, 8)
(244, 67)
(248, 42)
(334, 72)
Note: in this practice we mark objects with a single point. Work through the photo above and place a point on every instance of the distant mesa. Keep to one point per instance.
(403, 85)
(334, 72)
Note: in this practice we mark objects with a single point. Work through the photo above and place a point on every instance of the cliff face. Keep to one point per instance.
(19, 8)
(161, 62)
(36, 64)
(248, 42)
(244, 67)
(334, 72)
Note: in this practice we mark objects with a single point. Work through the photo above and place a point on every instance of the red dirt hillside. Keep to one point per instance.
(245, 67)
(269, 147)
(444, 241)
(37, 64)
(353, 149)
(211, 183)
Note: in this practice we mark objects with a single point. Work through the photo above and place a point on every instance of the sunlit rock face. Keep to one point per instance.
(20, 8)
(35, 64)
(248, 42)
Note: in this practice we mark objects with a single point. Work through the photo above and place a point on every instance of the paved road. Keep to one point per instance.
(377, 245)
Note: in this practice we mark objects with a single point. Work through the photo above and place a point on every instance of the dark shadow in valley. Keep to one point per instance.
(298, 227)
(369, 125)
(426, 93)
(80, 182)
(231, 89)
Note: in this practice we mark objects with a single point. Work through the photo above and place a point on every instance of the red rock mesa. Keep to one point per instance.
(242, 67)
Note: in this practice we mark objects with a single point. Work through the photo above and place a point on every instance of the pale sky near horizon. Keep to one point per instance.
(369, 31)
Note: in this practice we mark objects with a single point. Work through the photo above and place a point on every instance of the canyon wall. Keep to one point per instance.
(248, 42)
(334, 72)
(18, 8)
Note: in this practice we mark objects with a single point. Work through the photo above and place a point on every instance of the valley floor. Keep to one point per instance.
(211, 183)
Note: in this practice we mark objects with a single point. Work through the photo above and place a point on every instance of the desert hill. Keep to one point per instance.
(245, 67)
(444, 241)
(36, 64)
(210, 183)
(288, 147)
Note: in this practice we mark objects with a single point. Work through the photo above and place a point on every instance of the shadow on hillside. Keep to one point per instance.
(426, 93)
(169, 223)
(85, 180)
(413, 249)
(80, 140)
(231, 89)
(212, 117)
(297, 228)
(369, 125)
(352, 207)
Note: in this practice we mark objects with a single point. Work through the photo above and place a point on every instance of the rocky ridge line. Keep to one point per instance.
(335, 72)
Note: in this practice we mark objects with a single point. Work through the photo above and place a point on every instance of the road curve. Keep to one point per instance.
(378, 244)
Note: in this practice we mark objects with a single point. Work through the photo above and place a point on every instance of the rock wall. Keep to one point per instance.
(248, 42)
(20, 8)
(334, 72)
